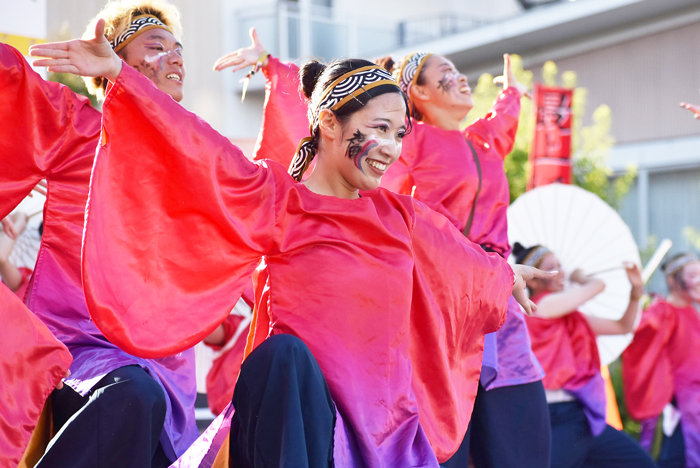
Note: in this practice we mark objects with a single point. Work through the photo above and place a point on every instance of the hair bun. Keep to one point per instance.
(309, 75)
(386, 62)
(518, 249)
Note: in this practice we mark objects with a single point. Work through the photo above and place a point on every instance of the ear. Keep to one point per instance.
(329, 126)
(419, 93)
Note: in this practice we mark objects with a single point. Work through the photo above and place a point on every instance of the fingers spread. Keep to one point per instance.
(52, 50)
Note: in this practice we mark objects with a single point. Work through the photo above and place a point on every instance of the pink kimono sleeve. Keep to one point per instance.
(32, 363)
(460, 294)
(177, 220)
(499, 127)
(646, 366)
(42, 126)
(285, 120)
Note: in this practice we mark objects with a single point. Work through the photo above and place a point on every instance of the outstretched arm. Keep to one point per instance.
(91, 57)
(44, 128)
(569, 300)
(185, 215)
(694, 108)
(9, 273)
(625, 324)
(500, 125)
(285, 121)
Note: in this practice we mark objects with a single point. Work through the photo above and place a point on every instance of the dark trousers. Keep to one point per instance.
(673, 450)
(284, 415)
(118, 424)
(509, 428)
(573, 445)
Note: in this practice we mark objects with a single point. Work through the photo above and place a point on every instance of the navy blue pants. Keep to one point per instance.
(573, 445)
(284, 415)
(509, 428)
(118, 424)
(673, 450)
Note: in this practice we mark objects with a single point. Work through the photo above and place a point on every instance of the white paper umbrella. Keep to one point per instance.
(583, 232)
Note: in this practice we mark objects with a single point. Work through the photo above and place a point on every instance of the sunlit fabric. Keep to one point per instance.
(663, 362)
(389, 297)
(222, 377)
(285, 120)
(567, 349)
(32, 363)
(437, 168)
(49, 132)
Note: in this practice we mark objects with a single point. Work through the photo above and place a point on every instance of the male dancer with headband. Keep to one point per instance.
(115, 408)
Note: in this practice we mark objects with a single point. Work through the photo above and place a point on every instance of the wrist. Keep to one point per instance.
(115, 70)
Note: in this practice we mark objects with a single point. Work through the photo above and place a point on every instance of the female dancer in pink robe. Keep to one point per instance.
(663, 364)
(377, 305)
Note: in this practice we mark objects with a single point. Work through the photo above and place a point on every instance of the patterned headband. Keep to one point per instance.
(139, 25)
(408, 74)
(344, 89)
(535, 256)
(673, 267)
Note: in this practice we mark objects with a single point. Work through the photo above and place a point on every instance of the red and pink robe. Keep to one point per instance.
(49, 132)
(663, 362)
(390, 298)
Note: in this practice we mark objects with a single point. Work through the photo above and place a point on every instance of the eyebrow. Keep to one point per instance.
(388, 121)
(163, 38)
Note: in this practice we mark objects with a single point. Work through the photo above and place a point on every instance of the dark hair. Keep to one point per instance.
(315, 77)
(520, 252)
(387, 63)
(678, 275)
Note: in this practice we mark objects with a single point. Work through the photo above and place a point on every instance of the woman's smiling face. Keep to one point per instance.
(372, 141)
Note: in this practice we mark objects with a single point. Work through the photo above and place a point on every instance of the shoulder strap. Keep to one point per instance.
(468, 227)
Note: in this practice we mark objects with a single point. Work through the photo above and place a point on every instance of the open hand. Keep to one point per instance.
(523, 274)
(244, 57)
(92, 57)
(635, 277)
(695, 109)
(14, 224)
(508, 79)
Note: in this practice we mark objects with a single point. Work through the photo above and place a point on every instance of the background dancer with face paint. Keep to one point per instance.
(564, 341)
(460, 174)
(60, 132)
(360, 283)
(663, 364)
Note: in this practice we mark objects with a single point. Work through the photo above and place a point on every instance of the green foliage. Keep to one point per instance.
(693, 236)
(76, 84)
(590, 144)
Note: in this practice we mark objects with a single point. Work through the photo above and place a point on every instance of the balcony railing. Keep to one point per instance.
(291, 30)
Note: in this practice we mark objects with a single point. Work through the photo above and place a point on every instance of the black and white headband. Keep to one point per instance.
(139, 25)
(344, 89)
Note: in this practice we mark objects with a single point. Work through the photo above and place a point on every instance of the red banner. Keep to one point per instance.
(550, 151)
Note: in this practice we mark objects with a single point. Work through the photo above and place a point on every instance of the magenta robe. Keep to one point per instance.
(437, 168)
(663, 361)
(49, 132)
(391, 299)
(32, 363)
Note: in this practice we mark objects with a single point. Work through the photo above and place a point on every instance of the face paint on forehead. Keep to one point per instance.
(359, 147)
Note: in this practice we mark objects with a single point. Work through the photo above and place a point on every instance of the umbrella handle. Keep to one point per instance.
(655, 259)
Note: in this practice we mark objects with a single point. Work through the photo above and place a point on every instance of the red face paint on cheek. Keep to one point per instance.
(364, 151)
